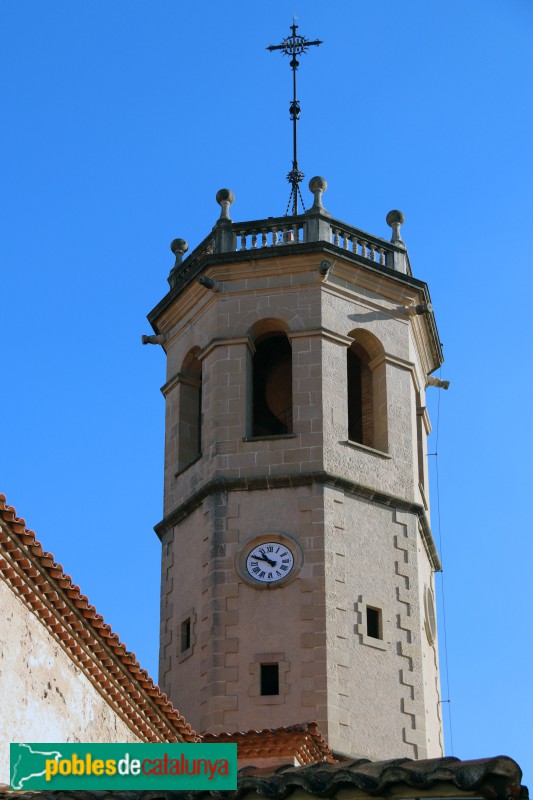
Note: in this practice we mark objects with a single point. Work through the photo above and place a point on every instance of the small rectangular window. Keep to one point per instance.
(374, 627)
(269, 679)
(185, 641)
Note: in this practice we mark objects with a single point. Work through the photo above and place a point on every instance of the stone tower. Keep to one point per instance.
(298, 560)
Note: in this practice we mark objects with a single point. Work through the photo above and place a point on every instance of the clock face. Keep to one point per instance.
(269, 562)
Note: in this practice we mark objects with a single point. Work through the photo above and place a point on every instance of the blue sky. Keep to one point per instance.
(120, 122)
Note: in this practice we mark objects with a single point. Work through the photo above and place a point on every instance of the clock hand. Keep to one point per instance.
(265, 558)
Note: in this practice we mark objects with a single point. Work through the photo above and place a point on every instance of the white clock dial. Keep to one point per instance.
(269, 562)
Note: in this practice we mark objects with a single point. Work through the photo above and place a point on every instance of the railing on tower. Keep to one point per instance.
(316, 225)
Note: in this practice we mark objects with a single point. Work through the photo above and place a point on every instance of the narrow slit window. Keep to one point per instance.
(185, 639)
(374, 627)
(269, 679)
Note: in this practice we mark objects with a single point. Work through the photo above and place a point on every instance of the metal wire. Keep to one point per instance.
(442, 581)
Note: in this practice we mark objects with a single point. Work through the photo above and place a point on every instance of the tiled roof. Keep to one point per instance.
(496, 778)
(492, 778)
(303, 742)
(39, 581)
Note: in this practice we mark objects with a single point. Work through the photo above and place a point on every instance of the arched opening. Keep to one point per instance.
(190, 411)
(360, 397)
(272, 385)
(366, 390)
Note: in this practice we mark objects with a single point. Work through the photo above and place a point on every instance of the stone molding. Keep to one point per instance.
(231, 341)
(400, 363)
(214, 260)
(264, 482)
(343, 281)
(177, 379)
(399, 285)
(423, 412)
(324, 333)
(365, 449)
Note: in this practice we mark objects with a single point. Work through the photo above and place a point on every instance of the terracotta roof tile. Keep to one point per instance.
(57, 602)
(304, 742)
(496, 778)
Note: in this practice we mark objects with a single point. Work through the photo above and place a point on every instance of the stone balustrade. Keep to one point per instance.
(183, 269)
(316, 225)
(269, 233)
(355, 243)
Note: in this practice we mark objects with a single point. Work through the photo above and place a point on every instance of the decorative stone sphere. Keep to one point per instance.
(225, 196)
(179, 246)
(395, 216)
(318, 183)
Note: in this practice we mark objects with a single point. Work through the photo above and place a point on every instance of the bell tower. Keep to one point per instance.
(298, 559)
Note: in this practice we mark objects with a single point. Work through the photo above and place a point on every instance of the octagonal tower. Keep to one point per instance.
(298, 559)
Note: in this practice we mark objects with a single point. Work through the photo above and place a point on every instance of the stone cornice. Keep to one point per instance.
(348, 270)
(354, 282)
(231, 341)
(179, 378)
(215, 259)
(324, 333)
(396, 361)
(425, 418)
(265, 482)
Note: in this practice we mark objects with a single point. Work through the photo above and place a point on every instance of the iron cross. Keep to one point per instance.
(294, 46)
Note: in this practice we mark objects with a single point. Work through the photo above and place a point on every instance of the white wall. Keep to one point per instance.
(44, 696)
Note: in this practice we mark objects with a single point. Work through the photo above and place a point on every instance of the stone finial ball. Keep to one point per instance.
(224, 195)
(179, 246)
(318, 183)
(395, 216)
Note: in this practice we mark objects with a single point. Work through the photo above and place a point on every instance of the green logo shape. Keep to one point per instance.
(123, 766)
